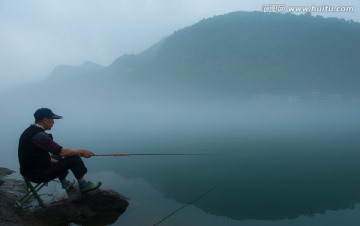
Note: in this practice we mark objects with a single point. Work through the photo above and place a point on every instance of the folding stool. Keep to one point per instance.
(33, 192)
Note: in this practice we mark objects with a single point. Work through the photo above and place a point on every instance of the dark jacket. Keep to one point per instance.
(33, 159)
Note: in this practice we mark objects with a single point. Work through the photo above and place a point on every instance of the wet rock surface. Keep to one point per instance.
(100, 207)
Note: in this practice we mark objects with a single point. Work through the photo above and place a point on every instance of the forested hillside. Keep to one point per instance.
(247, 53)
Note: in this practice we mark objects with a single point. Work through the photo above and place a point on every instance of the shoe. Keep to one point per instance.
(68, 185)
(90, 186)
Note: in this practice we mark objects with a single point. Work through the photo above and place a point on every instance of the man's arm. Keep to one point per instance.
(45, 142)
(71, 152)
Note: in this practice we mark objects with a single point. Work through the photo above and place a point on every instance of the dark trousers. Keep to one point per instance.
(61, 169)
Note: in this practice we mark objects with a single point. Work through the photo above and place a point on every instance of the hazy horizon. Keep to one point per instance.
(37, 36)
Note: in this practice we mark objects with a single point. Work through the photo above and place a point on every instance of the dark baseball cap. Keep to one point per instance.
(45, 113)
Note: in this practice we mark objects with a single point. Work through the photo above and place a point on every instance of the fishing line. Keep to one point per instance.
(125, 155)
(189, 203)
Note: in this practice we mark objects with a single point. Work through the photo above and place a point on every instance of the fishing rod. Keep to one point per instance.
(126, 155)
(189, 203)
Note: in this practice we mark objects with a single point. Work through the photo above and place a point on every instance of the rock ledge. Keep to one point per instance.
(101, 207)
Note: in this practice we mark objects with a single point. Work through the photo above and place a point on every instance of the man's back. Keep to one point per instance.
(32, 159)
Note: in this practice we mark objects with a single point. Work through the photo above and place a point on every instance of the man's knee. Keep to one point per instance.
(73, 159)
(76, 165)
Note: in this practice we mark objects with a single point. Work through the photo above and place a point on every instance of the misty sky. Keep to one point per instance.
(37, 35)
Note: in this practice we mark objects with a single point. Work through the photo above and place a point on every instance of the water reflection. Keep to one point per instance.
(261, 179)
(148, 206)
(273, 172)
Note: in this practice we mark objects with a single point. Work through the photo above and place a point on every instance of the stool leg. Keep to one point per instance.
(24, 199)
(33, 192)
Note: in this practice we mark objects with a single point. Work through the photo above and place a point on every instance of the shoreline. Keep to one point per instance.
(76, 208)
(10, 191)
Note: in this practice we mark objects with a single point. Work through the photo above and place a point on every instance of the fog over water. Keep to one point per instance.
(277, 128)
(273, 162)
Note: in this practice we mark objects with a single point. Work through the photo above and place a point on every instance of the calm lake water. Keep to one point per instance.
(265, 171)
(253, 182)
(297, 173)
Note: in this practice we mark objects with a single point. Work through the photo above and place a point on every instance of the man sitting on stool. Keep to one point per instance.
(36, 164)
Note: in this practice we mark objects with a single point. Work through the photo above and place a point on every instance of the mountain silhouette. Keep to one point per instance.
(232, 56)
(246, 53)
